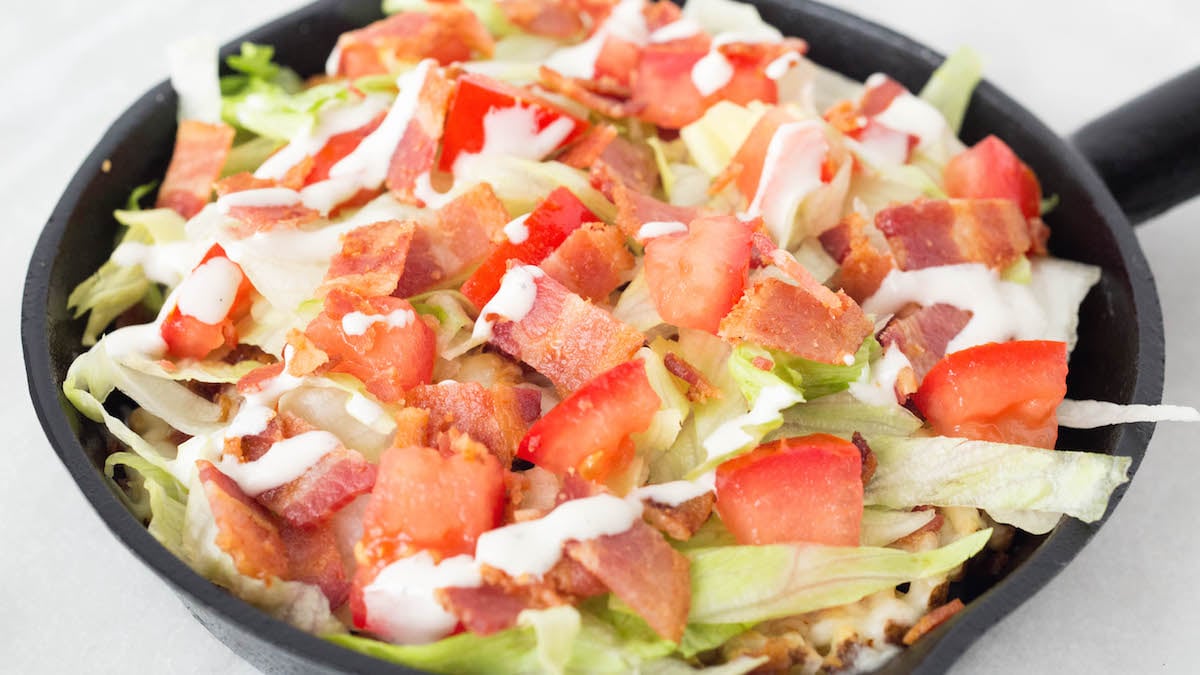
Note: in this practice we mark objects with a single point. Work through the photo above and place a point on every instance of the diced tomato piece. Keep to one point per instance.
(663, 90)
(337, 148)
(991, 169)
(244, 529)
(1002, 392)
(617, 60)
(548, 226)
(551, 18)
(592, 261)
(476, 96)
(426, 500)
(696, 277)
(190, 337)
(395, 350)
(588, 432)
(806, 489)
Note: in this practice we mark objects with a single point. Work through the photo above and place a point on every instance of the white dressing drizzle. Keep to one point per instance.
(781, 65)
(711, 72)
(514, 300)
(141, 339)
(513, 132)
(533, 547)
(357, 323)
(684, 27)
(209, 291)
(656, 228)
(911, 115)
(625, 22)
(400, 602)
(272, 196)
(791, 170)
(365, 410)
(877, 386)
(516, 231)
(677, 492)
(1092, 414)
(731, 435)
(283, 463)
(165, 263)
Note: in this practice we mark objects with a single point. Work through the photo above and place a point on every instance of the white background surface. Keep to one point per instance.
(73, 600)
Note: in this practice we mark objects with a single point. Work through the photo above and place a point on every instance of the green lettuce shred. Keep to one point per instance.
(950, 87)
(811, 378)
(841, 415)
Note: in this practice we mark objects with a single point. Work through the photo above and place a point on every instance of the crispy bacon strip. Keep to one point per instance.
(333, 482)
(584, 152)
(679, 522)
(566, 338)
(484, 610)
(862, 267)
(591, 262)
(932, 620)
(608, 101)
(551, 18)
(253, 219)
(415, 154)
(927, 233)
(642, 569)
(240, 182)
(923, 333)
(446, 32)
(492, 417)
(313, 558)
(699, 388)
(200, 152)
(244, 529)
(636, 208)
(372, 258)
(455, 240)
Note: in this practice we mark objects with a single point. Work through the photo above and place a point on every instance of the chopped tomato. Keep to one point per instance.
(588, 433)
(426, 500)
(384, 344)
(806, 489)
(188, 336)
(663, 89)
(547, 226)
(1002, 392)
(476, 96)
(991, 169)
(696, 277)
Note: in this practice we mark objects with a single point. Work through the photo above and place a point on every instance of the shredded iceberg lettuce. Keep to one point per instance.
(950, 87)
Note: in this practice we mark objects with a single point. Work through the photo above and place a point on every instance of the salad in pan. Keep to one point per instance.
(597, 336)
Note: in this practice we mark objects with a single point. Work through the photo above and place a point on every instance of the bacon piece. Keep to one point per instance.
(862, 267)
(566, 338)
(811, 321)
(414, 155)
(240, 182)
(313, 558)
(642, 569)
(679, 522)
(492, 417)
(483, 610)
(608, 101)
(372, 258)
(699, 388)
(591, 262)
(251, 447)
(584, 152)
(333, 482)
(922, 334)
(551, 18)
(244, 529)
(932, 620)
(445, 31)
(529, 403)
(611, 157)
(928, 233)
(869, 461)
(196, 163)
(634, 208)
(458, 238)
(253, 219)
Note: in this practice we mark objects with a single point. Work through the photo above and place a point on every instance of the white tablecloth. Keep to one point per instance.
(74, 600)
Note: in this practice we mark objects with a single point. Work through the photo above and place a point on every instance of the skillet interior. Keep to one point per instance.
(1119, 357)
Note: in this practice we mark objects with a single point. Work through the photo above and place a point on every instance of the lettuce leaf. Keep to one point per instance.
(842, 415)
(881, 527)
(949, 88)
(812, 378)
(157, 497)
(635, 306)
(673, 408)
(942, 471)
(733, 584)
(714, 139)
(269, 100)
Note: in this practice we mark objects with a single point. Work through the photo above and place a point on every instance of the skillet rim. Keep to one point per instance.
(935, 653)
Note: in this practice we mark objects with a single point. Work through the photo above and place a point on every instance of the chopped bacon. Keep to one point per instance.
(458, 237)
(483, 610)
(699, 388)
(682, 521)
(862, 267)
(922, 334)
(253, 219)
(608, 101)
(255, 380)
(334, 481)
(927, 233)
(199, 156)
(869, 461)
(566, 338)
(240, 182)
(642, 569)
(415, 154)
(491, 416)
(446, 32)
(251, 447)
(550, 18)
(244, 529)
(313, 558)
(613, 158)
(372, 258)
(634, 208)
(532, 493)
(815, 325)
(412, 427)
(584, 152)
(592, 261)
(932, 620)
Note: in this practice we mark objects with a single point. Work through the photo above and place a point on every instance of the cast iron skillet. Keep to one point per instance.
(1145, 151)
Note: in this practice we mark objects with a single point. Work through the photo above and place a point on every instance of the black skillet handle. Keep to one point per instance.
(1148, 150)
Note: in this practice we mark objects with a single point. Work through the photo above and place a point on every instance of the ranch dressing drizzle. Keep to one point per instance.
(209, 291)
(165, 263)
(516, 231)
(283, 463)
(357, 323)
(791, 170)
(514, 300)
(333, 120)
(513, 132)
(400, 602)
(261, 197)
(654, 229)
(877, 386)
(684, 27)
(731, 435)
(677, 492)
(911, 115)
(534, 547)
